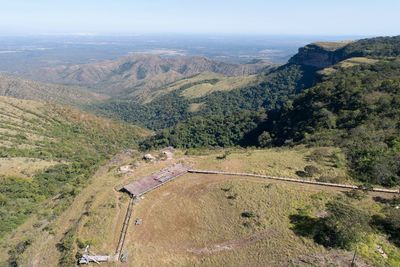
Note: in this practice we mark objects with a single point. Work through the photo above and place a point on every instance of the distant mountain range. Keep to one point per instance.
(140, 74)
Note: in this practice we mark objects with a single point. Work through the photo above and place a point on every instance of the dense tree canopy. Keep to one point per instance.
(357, 109)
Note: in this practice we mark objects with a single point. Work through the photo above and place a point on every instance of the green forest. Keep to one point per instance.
(294, 104)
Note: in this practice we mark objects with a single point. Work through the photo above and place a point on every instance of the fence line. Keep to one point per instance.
(293, 180)
(125, 227)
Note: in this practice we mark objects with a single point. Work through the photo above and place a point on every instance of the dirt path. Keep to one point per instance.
(44, 250)
(231, 244)
(117, 219)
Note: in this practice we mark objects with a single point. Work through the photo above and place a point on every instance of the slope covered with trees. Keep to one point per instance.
(354, 105)
(69, 144)
(358, 109)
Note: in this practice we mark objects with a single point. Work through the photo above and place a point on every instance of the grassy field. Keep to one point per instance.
(24, 167)
(205, 83)
(348, 63)
(209, 220)
(332, 46)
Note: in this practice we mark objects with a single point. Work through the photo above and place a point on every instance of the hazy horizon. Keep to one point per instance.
(252, 17)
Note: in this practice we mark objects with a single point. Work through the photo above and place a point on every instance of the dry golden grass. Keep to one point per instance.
(357, 61)
(23, 167)
(194, 107)
(224, 84)
(332, 46)
(348, 63)
(22, 122)
(196, 220)
(201, 85)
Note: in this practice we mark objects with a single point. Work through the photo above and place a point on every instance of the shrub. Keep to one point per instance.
(389, 224)
(248, 214)
(320, 154)
(356, 194)
(17, 251)
(344, 226)
(265, 139)
(311, 170)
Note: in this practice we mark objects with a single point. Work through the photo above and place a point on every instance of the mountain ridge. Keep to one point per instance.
(31, 90)
(138, 74)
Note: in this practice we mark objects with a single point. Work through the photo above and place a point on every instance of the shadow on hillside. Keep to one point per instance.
(313, 228)
(304, 225)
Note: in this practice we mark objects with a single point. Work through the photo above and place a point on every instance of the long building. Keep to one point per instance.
(151, 182)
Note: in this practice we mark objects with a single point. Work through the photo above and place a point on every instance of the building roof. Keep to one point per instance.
(148, 183)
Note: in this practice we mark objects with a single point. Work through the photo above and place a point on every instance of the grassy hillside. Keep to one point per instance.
(271, 90)
(216, 220)
(137, 75)
(204, 84)
(25, 89)
(47, 155)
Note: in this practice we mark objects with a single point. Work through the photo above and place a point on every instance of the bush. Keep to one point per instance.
(248, 214)
(356, 194)
(389, 224)
(265, 139)
(344, 226)
(17, 251)
(311, 170)
(320, 154)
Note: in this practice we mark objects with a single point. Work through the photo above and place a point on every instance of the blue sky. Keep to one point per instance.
(286, 17)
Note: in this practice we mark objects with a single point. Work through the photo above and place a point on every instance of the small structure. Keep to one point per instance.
(168, 152)
(124, 257)
(138, 221)
(168, 155)
(125, 169)
(89, 257)
(149, 157)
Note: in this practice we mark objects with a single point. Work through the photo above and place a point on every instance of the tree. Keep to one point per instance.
(265, 139)
(344, 226)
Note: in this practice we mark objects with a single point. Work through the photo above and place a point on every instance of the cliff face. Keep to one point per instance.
(324, 54)
(316, 55)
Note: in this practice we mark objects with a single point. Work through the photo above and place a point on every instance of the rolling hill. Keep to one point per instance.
(31, 90)
(140, 74)
(344, 94)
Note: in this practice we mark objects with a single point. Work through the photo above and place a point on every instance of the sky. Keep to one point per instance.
(260, 17)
